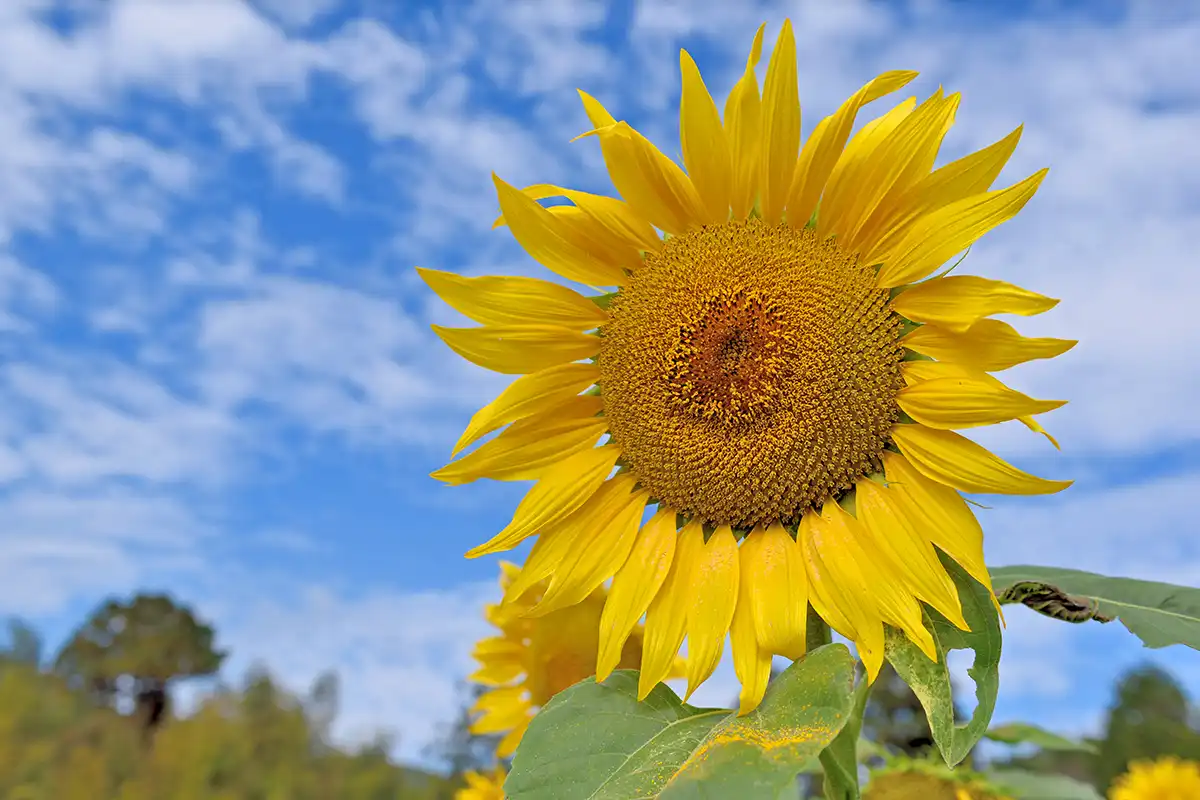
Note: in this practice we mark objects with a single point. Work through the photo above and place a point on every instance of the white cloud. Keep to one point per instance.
(399, 655)
(332, 358)
(299, 13)
(60, 546)
(1137, 530)
(22, 291)
(99, 419)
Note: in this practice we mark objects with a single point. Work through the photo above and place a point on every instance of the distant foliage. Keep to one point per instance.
(1150, 716)
(62, 739)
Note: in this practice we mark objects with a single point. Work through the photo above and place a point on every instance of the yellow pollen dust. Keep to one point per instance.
(749, 372)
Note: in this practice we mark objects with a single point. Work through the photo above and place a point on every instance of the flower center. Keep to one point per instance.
(749, 372)
(726, 366)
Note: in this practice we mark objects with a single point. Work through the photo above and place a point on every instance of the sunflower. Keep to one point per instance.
(536, 657)
(482, 785)
(905, 778)
(1167, 778)
(771, 371)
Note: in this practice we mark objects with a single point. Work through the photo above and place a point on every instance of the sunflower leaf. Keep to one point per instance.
(1024, 733)
(1023, 785)
(596, 741)
(1160, 614)
(931, 681)
(840, 759)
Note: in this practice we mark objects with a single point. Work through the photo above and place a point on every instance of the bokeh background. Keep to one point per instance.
(216, 373)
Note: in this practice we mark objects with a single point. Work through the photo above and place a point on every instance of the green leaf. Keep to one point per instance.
(1024, 733)
(931, 681)
(1160, 614)
(596, 741)
(840, 759)
(603, 300)
(1024, 785)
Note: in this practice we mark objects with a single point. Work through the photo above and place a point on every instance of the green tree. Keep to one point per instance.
(1150, 716)
(321, 706)
(457, 749)
(137, 650)
(24, 645)
(256, 741)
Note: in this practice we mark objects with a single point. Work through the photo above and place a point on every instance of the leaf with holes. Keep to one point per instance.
(1160, 614)
(931, 681)
(596, 741)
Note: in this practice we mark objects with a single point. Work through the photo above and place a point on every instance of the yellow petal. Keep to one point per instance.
(922, 370)
(634, 586)
(653, 185)
(549, 241)
(592, 238)
(666, 618)
(743, 112)
(967, 402)
(939, 512)
(778, 594)
(957, 302)
(705, 143)
(914, 149)
(1036, 427)
(527, 396)
(848, 548)
(837, 589)
(518, 349)
(508, 745)
(612, 214)
(512, 300)
(553, 543)
(969, 175)
(714, 592)
(563, 489)
(989, 345)
(497, 674)
(751, 663)
(826, 143)
(939, 235)
(900, 160)
(956, 461)
(780, 127)
(844, 181)
(895, 532)
(501, 700)
(606, 537)
(494, 647)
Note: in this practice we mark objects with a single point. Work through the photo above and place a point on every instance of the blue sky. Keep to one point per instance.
(216, 371)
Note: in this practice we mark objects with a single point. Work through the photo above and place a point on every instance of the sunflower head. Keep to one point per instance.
(917, 779)
(1168, 778)
(757, 411)
(534, 657)
(483, 785)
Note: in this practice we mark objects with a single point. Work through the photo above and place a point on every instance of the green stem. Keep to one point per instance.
(818, 634)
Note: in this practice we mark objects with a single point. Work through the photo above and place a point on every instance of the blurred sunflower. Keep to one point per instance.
(784, 385)
(917, 779)
(537, 656)
(1167, 778)
(483, 785)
